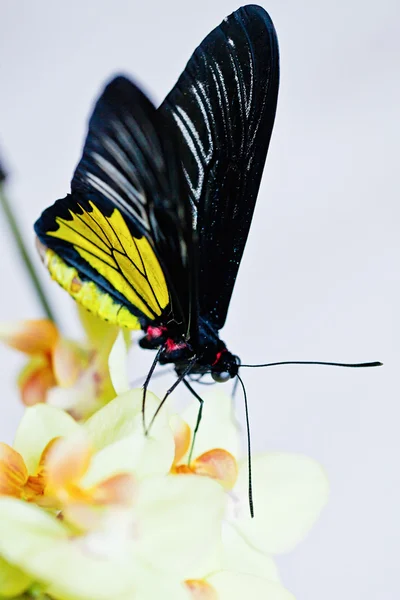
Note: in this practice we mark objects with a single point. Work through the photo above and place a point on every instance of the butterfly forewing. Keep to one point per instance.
(223, 108)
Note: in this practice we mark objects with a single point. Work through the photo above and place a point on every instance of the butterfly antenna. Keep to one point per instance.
(251, 503)
(236, 382)
(315, 362)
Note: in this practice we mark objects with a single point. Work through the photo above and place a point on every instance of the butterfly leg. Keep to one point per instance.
(198, 420)
(139, 380)
(146, 385)
(181, 377)
(199, 379)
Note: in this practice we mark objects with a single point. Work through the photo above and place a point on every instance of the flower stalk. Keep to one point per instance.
(11, 220)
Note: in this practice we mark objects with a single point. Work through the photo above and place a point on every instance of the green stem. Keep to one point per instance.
(24, 255)
(36, 592)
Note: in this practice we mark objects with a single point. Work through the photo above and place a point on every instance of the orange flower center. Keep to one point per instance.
(201, 590)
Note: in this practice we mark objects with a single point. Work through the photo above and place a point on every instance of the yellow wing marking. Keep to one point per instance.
(88, 293)
(128, 263)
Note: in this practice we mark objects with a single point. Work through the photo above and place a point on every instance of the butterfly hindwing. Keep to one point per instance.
(95, 240)
(223, 107)
(108, 228)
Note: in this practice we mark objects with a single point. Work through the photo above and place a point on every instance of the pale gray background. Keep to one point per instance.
(320, 275)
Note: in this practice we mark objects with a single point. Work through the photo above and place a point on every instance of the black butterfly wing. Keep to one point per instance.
(223, 107)
(124, 226)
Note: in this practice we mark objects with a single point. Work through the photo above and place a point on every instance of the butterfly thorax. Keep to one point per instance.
(211, 353)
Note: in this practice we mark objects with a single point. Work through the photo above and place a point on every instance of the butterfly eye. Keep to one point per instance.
(221, 377)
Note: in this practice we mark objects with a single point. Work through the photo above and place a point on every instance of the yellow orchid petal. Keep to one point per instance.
(35, 380)
(118, 364)
(236, 586)
(217, 464)
(201, 590)
(117, 419)
(68, 361)
(238, 556)
(12, 580)
(42, 546)
(154, 587)
(31, 337)
(182, 437)
(81, 399)
(218, 428)
(119, 489)
(84, 517)
(13, 472)
(101, 525)
(67, 461)
(39, 425)
(180, 521)
(290, 492)
(100, 334)
(18, 516)
(36, 484)
(141, 455)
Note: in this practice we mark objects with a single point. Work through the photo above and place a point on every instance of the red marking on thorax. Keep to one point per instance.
(218, 356)
(155, 332)
(171, 345)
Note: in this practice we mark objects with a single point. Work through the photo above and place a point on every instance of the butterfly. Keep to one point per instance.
(153, 231)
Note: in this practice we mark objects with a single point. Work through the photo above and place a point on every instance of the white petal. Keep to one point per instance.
(137, 454)
(118, 419)
(235, 586)
(39, 425)
(81, 398)
(289, 492)
(41, 546)
(100, 333)
(238, 556)
(218, 428)
(118, 364)
(116, 432)
(180, 522)
(156, 587)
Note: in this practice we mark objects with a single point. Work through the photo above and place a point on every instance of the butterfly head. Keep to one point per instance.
(225, 366)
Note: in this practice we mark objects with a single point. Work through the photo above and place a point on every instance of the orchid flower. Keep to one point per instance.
(97, 510)
(61, 372)
(289, 490)
(109, 521)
